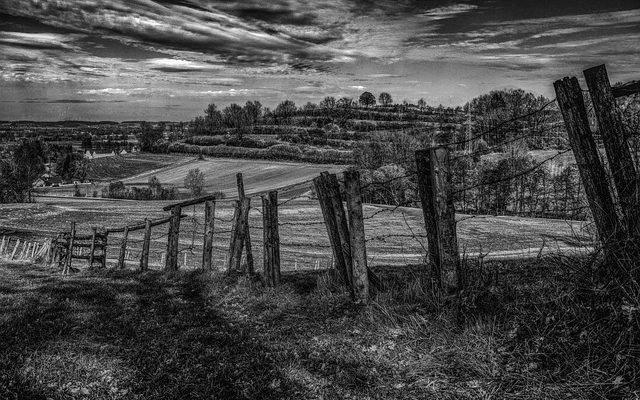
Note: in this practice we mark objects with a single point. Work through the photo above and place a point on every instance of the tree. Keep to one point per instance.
(194, 181)
(286, 110)
(212, 118)
(253, 109)
(328, 103)
(309, 106)
(155, 186)
(385, 99)
(422, 104)
(367, 99)
(87, 143)
(345, 102)
(235, 117)
(149, 136)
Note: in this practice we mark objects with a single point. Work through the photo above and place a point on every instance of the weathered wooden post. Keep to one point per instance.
(93, 246)
(247, 242)
(72, 238)
(334, 218)
(271, 235)
(123, 248)
(239, 234)
(172, 241)
(2, 245)
(144, 257)
(435, 187)
(357, 235)
(614, 138)
(209, 222)
(592, 173)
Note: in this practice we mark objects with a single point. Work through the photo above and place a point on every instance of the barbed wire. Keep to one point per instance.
(508, 178)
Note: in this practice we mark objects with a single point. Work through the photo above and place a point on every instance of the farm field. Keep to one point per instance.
(220, 174)
(395, 237)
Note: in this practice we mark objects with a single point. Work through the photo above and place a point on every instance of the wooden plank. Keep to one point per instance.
(434, 185)
(144, 257)
(614, 138)
(209, 224)
(335, 201)
(592, 173)
(247, 243)
(357, 236)
(233, 236)
(320, 184)
(172, 240)
(191, 202)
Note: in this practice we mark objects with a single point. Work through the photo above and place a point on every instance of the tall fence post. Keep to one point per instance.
(72, 238)
(15, 248)
(614, 138)
(271, 237)
(247, 242)
(357, 235)
(275, 236)
(123, 248)
(172, 240)
(144, 257)
(592, 173)
(209, 222)
(434, 185)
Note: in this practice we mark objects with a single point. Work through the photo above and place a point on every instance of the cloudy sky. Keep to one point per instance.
(167, 59)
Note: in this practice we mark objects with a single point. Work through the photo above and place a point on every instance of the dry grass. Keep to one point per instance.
(125, 335)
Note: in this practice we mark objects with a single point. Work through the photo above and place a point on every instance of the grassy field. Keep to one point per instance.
(120, 167)
(395, 237)
(123, 335)
(220, 174)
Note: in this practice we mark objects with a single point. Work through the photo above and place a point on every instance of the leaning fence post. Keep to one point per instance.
(614, 138)
(239, 234)
(434, 184)
(267, 258)
(592, 173)
(335, 201)
(144, 258)
(209, 222)
(172, 241)
(15, 248)
(123, 248)
(357, 235)
(247, 242)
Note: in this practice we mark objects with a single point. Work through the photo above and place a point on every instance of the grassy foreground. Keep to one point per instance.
(125, 335)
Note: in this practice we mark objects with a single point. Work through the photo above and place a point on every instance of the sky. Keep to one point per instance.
(167, 59)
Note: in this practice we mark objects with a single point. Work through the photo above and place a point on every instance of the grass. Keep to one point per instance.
(121, 335)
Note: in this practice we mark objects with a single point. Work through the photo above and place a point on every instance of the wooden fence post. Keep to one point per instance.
(93, 246)
(434, 184)
(209, 222)
(328, 192)
(238, 235)
(13, 253)
(592, 173)
(72, 238)
(123, 248)
(144, 258)
(2, 245)
(247, 243)
(271, 236)
(614, 138)
(267, 258)
(357, 235)
(172, 240)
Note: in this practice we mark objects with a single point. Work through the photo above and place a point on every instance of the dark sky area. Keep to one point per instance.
(167, 59)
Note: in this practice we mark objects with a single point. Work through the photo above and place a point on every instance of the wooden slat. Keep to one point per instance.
(190, 202)
(627, 89)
